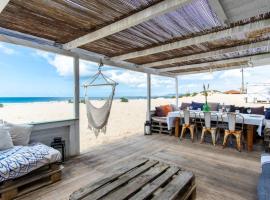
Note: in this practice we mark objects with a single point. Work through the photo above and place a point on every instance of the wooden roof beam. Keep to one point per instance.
(133, 20)
(3, 4)
(219, 11)
(257, 59)
(212, 70)
(26, 40)
(210, 54)
(231, 32)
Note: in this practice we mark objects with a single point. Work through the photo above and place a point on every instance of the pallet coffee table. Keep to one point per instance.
(141, 179)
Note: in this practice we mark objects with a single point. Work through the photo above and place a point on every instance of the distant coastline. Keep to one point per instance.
(10, 100)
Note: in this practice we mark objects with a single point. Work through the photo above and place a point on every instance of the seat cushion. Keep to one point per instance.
(159, 112)
(160, 119)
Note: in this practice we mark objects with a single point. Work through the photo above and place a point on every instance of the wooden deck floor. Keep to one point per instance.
(220, 173)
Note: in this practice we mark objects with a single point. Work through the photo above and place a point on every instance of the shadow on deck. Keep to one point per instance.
(220, 173)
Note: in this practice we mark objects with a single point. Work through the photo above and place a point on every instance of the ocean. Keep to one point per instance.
(4, 100)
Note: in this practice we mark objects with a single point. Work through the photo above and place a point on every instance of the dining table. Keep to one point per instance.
(253, 122)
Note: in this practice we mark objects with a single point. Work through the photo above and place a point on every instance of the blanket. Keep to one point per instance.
(21, 160)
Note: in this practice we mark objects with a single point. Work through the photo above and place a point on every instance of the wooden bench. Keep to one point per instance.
(141, 179)
(34, 180)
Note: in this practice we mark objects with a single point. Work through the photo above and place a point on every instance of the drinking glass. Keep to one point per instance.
(220, 110)
(237, 111)
(227, 109)
(190, 107)
(248, 110)
(199, 109)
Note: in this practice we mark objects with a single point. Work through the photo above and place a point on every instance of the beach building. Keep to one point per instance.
(184, 151)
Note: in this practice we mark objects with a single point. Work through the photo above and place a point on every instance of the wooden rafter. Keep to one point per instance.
(3, 4)
(210, 54)
(231, 32)
(14, 37)
(219, 11)
(133, 20)
(263, 58)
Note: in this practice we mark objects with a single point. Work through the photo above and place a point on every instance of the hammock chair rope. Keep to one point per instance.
(98, 117)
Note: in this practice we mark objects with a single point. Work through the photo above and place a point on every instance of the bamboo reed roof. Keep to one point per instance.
(63, 21)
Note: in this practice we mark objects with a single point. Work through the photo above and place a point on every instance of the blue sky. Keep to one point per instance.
(28, 72)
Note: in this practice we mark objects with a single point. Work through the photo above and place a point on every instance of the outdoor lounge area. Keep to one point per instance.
(187, 150)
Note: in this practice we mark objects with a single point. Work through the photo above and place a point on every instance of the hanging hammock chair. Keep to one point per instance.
(98, 116)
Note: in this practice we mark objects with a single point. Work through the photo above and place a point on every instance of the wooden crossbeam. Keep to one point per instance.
(133, 20)
(18, 38)
(231, 32)
(3, 4)
(212, 70)
(263, 58)
(210, 54)
(219, 11)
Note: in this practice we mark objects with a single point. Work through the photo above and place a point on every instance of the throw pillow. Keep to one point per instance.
(267, 113)
(159, 112)
(196, 105)
(184, 106)
(20, 134)
(166, 109)
(258, 110)
(5, 141)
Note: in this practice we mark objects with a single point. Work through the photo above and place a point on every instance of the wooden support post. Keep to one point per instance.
(148, 118)
(76, 131)
(176, 91)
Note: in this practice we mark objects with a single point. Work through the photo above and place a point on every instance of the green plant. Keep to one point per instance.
(194, 94)
(1, 105)
(123, 99)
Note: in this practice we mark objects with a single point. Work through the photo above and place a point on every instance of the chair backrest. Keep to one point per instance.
(186, 116)
(231, 121)
(207, 119)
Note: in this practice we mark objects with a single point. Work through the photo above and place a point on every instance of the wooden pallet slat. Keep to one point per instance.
(172, 190)
(122, 180)
(150, 188)
(125, 191)
(82, 192)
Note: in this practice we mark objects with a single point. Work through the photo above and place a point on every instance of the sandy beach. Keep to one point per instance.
(126, 118)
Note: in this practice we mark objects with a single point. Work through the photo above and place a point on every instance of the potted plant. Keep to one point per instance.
(206, 107)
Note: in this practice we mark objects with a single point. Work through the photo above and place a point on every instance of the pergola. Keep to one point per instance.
(161, 37)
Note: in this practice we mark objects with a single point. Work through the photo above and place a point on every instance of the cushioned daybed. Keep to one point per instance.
(263, 189)
(20, 160)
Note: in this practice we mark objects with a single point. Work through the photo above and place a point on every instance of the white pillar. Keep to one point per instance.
(75, 142)
(176, 91)
(148, 117)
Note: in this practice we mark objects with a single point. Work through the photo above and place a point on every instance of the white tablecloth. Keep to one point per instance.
(250, 119)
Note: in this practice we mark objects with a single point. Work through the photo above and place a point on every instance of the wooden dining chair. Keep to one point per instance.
(188, 125)
(233, 130)
(208, 126)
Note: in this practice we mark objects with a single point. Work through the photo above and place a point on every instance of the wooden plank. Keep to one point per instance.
(122, 180)
(211, 54)
(252, 59)
(231, 32)
(150, 188)
(14, 37)
(126, 167)
(171, 191)
(137, 183)
(250, 133)
(133, 20)
(3, 4)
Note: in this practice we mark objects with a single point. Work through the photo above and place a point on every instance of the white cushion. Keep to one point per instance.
(5, 141)
(20, 133)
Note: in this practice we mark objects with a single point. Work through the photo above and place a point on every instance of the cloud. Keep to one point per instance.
(234, 73)
(201, 76)
(6, 50)
(64, 64)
